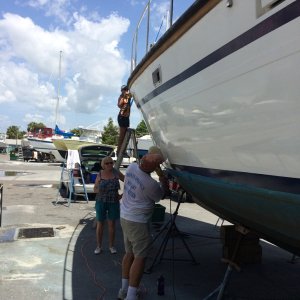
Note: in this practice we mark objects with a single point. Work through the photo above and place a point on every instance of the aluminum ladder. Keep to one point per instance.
(129, 135)
(20, 153)
(67, 181)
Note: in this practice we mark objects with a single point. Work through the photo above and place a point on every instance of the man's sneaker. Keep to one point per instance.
(98, 250)
(113, 250)
(122, 294)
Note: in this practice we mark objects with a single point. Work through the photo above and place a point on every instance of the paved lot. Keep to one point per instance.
(64, 266)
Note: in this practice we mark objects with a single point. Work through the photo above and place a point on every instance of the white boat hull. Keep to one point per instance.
(220, 95)
(46, 146)
(239, 113)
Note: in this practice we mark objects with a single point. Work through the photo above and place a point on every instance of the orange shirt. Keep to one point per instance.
(124, 105)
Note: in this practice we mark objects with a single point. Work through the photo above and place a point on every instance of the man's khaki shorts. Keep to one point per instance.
(137, 238)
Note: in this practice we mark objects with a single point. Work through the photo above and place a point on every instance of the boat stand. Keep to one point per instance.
(231, 265)
(171, 231)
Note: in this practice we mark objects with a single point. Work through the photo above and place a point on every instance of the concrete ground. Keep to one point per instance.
(65, 267)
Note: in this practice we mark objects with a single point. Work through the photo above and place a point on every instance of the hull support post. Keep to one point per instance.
(231, 264)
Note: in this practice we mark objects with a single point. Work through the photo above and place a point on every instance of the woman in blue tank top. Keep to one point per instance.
(107, 204)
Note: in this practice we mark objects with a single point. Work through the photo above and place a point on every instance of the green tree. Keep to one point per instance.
(13, 132)
(141, 129)
(32, 126)
(110, 133)
(77, 131)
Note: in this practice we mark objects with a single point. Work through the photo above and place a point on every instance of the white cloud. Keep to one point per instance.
(37, 117)
(137, 2)
(38, 3)
(6, 95)
(32, 44)
(3, 118)
(57, 8)
(159, 16)
(93, 66)
(19, 84)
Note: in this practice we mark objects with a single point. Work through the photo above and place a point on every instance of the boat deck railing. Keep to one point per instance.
(146, 15)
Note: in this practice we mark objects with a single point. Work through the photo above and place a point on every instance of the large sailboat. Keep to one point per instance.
(42, 139)
(226, 114)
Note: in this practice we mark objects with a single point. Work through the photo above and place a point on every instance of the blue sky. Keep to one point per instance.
(95, 38)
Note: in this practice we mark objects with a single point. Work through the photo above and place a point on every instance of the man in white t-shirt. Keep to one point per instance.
(141, 192)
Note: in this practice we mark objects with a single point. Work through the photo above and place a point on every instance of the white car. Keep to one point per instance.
(90, 161)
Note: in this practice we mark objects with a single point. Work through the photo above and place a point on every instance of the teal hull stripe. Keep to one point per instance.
(275, 215)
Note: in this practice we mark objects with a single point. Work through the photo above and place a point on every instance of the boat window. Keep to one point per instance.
(156, 76)
(263, 6)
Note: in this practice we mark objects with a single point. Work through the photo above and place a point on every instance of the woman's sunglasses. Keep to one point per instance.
(108, 163)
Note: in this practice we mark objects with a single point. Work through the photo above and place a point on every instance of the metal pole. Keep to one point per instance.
(171, 13)
(58, 88)
(136, 43)
(135, 38)
(133, 51)
(148, 27)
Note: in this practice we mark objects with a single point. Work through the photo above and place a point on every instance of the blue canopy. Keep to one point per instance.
(63, 133)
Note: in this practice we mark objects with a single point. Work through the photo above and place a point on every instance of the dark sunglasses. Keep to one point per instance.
(109, 163)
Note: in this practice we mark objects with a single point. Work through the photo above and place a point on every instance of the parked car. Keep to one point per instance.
(127, 160)
(90, 164)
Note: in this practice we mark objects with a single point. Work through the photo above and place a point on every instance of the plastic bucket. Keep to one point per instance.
(93, 177)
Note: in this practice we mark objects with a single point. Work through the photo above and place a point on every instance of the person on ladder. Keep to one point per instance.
(124, 103)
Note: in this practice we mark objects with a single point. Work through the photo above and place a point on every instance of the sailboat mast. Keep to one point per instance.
(58, 88)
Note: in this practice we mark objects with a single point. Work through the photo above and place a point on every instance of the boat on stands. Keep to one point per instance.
(42, 140)
(75, 142)
(226, 114)
(88, 137)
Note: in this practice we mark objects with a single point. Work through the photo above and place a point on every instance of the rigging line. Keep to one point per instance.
(161, 24)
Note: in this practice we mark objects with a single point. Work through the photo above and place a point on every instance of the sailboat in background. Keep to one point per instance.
(42, 139)
(90, 135)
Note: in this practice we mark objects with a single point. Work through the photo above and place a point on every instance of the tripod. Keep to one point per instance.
(172, 229)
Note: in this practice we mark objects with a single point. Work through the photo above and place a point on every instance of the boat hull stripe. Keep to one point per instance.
(282, 17)
(269, 182)
(272, 214)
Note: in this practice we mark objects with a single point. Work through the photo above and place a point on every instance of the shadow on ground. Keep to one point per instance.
(99, 276)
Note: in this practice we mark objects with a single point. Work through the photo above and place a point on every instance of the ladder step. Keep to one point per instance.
(20, 153)
(130, 134)
(68, 178)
